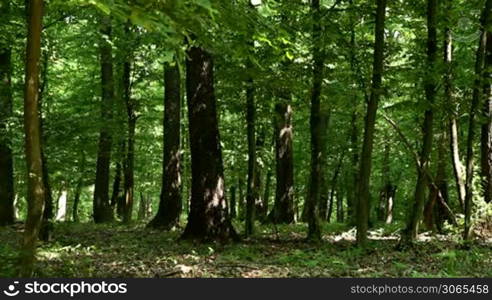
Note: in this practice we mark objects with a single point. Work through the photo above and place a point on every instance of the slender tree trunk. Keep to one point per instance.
(78, 190)
(324, 182)
(128, 166)
(170, 205)
(47, 224)
(340, 215)
(450, 99)
(102, 211)
(233, 202)
(251, 187)
(334, 181)
(370, 123)
(209, 217)
(266, 192)
(477, 89)
(416, 213)
(314, 229)
(7, 215)
(117, 190)
(486, 135)
(389, 190)
(283, 210)
(35, 185)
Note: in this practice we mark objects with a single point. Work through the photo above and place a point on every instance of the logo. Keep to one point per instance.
(11, 290)
(466, 30)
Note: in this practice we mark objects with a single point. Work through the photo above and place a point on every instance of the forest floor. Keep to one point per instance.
(88, 250)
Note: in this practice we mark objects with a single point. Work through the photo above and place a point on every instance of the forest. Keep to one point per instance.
(245, 138)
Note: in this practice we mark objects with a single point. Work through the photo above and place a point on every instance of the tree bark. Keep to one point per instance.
(416, 213)
(370, 123)
(324, 182)
(283, 210)
(102, 211)
(47, 224)
(251, 187)
(450, 99)
(35, 184)
(78, 190)
(128, 166)
(233, 202)
(208, 219)
(486, 135)
(170, 205)
(7, 214)
(477, 89)
(314, 229)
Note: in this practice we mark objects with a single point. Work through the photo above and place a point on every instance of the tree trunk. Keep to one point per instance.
(340, 215)
(334, 181)
(477, 89)
(266, 192)
(283, 210)
(370, 123)
(47, 224)
(416, 213)
(117, 188)
(170, 204)
(450, 99)
(35, 185)
(102, 211)
(208, 218)
(412, 228)
(7, 215)
(251, 187)
(78, 190)
(324, 182)
(128, 166)
(486, 136)
(314, 229)
(388, 191)
(233, 202)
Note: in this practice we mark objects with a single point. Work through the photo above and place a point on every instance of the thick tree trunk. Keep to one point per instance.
(208, 218)
(35, 185)
(170, 204)
(7, 215)
(370, 123)
(102, 211)
(486, 136)
(314, 229)
(477, 93)
(412, 228)
(283, 210)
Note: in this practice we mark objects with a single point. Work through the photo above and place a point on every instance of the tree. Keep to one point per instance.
(412, 228)
(170, 205)
(129, 161)
(486, 131)
(35, 190)
(283, 210)
(208, 218)
(477, 93)
(370, 123)
(6, 157)
(101, 209)
(314, 230)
